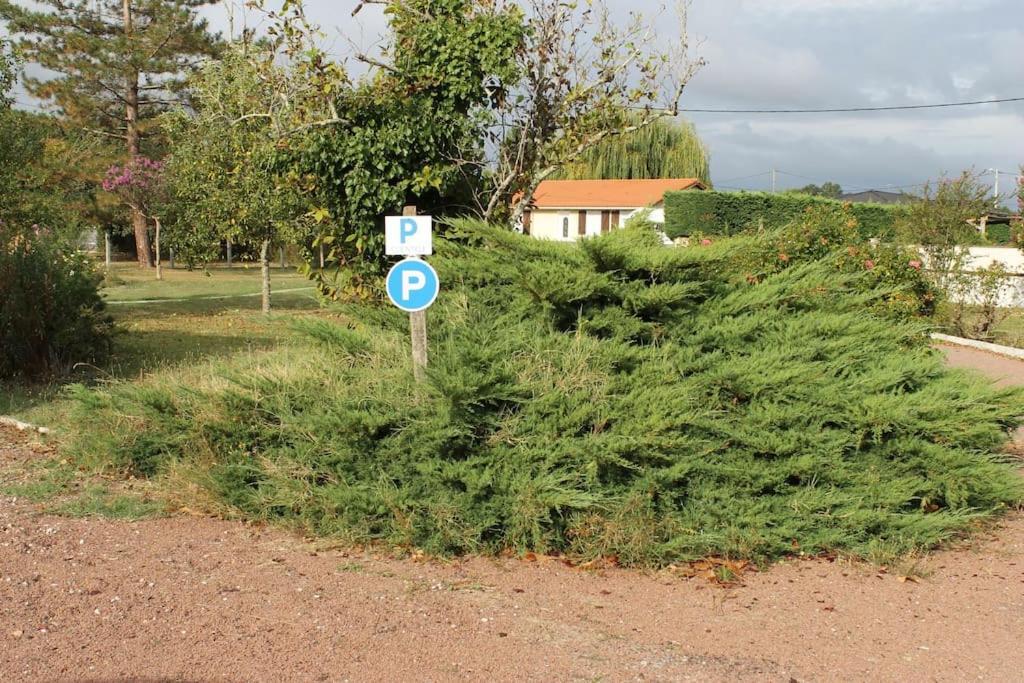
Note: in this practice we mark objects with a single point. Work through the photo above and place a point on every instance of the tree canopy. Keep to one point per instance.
(828, 189)
(411, 126)
(120, 63)
(663, 149)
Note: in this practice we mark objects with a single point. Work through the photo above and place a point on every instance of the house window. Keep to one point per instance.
(565, 228)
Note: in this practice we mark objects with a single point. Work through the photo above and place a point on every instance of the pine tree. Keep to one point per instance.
(121, 62)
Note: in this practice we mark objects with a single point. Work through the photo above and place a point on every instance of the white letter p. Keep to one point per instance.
(412, 281)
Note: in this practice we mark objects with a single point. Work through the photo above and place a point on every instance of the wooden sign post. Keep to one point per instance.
(412, 284)
(418, 328)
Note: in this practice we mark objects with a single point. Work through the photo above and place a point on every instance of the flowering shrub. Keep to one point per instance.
(834, 233)
(51, 313)
(136, 182)
(139, 172)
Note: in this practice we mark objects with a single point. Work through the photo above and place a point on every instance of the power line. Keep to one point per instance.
(840, 110)
(746, 177)
(850, 186)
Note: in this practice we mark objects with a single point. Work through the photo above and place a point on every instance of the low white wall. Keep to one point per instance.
(1012, 259)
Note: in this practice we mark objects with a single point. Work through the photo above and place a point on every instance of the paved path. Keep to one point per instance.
(1003, 370)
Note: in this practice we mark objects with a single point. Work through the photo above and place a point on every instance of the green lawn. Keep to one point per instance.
(1011, 330)
(187, 317)
(128, 282)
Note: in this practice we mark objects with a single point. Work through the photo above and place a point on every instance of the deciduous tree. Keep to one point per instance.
(584, 77)
(233, 171)
(413, 130)
(120, 63)
(663, 149)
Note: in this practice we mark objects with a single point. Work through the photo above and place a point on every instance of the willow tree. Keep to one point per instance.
(118, 64)
(664, 149)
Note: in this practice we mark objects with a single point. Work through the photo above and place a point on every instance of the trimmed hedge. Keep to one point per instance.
(728, 213)
(1000, 234)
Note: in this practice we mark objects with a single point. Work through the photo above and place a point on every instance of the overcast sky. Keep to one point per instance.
(835, 53)
(830, 53)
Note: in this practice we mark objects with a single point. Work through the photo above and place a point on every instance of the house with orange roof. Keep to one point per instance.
(570, 209)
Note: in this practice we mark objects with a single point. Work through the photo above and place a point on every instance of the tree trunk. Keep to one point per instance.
(527, 198)
(159, 271)
(265, 271)
(131, 98)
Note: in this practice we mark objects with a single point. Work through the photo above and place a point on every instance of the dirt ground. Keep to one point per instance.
(195, 599)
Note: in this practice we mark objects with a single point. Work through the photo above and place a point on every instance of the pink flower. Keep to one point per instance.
(869, 264)
(915, 264)
(783, 257)
(705, 242)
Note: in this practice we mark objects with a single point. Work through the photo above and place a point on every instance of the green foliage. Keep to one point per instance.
(973, 310)
(87, 43)
(830, 234)
(229, 172)
(828, 189)
(26, 195)
(663, 149)
(32, 190)
(8, 66)
(729, 213)
(1001, 234)
(410, 128)
(51, 313)
(611, 398)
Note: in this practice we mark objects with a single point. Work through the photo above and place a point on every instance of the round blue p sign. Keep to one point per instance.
(412, 285)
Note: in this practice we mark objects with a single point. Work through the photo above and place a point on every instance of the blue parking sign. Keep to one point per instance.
(412, 285)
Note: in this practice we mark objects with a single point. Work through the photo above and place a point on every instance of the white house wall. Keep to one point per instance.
(546, 224)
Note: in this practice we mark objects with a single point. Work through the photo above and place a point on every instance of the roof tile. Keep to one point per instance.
(607, 194)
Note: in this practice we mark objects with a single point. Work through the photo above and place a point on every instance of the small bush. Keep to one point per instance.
(614, 398)
(831, 234)
(1001, 234)
(729, 213)
(51, 313)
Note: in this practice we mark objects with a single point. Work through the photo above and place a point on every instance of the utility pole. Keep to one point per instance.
(773, 181)
(995, 187)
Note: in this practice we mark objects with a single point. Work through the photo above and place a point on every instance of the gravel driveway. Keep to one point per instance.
(188, 598)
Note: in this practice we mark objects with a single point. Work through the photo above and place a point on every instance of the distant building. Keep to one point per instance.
(569, 209)
(877, 197)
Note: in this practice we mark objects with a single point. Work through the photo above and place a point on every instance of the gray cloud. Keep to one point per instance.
(826, 53)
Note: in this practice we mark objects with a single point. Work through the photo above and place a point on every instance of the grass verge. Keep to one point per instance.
(183, 328)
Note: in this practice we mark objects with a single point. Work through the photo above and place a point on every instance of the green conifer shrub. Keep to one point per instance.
(617, 398)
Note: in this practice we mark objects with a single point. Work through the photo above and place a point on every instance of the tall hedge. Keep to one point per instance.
(728, 213)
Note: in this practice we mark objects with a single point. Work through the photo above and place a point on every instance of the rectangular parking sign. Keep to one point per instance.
(408, 235)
